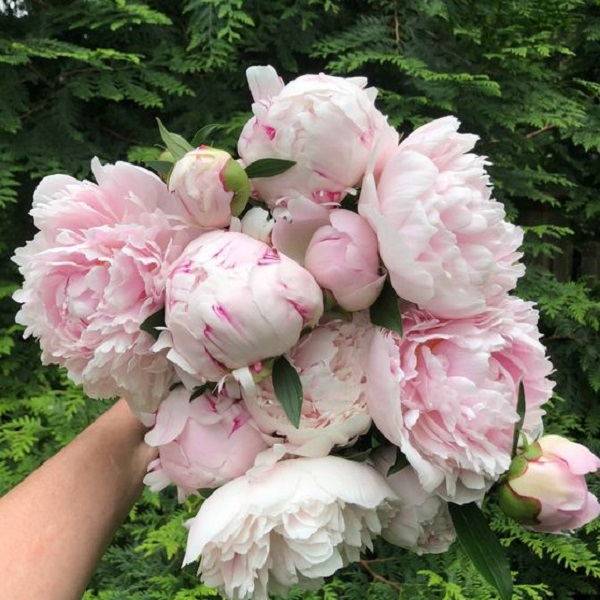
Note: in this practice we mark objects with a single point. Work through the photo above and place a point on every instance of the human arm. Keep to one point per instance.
(56, 524)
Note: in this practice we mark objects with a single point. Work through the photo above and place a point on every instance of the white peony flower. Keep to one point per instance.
(293, 523)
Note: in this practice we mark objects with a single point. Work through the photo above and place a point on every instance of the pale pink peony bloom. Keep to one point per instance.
(343, 259)
(294, 523)
(210, 186)
(328, 125)
(546, 489)
(124, 194)
(233, 301)
(446, 393)
(296, 220)
(423, 525)
(442, 237)
(331, 361)
(201, 444)
(94, 273)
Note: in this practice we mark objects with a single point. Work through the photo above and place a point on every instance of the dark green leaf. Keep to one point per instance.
(155, 320)
(288, 389)
(162, 167)
(482, 547)
(176, 144)
(521, 412)
(203, 134)
(385, 312)
(399, 464)
(268, 167)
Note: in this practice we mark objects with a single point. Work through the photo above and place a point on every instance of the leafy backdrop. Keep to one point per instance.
(88, 77)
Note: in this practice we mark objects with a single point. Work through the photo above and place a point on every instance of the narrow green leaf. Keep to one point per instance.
(268, 167)
(521, 407)
(155, 320)
(162, 167)
(202, 135)
(482, 547)
(177, 145)
(288, 389)
(385, 312)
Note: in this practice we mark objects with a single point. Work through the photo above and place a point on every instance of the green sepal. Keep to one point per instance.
(518, 466)
(201, 136)
(177, 145)
(385, 312)
(150, 324)
(533, 451)
(522, 509)
(288, 389)
(268, 167)
(482, 546)
(236, 180)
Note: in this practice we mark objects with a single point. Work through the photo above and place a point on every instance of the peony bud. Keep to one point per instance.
(545, 487)
(210, 185)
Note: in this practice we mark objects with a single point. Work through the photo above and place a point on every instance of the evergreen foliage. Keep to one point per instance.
(89, 77)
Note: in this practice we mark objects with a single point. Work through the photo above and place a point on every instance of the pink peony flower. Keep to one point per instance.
(343, 258)
(94, 273)
(210, 186)
(331, 362)
(423, 525)
(545, 489)
(297, 522)
(124, 194)
(232, 301)
(446, 393)
(296, 220)
(443, 239)
(328, 125)
(201, 444)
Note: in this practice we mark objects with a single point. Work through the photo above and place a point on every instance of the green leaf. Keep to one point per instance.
(288, 389)
(482, 547)
(177, 145)
(521, 406)
(155, 320)
(268, 167)
(162, 167)
(385, 312)
(203, 134)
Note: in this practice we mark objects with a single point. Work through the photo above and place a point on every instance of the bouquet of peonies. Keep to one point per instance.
(321, 330)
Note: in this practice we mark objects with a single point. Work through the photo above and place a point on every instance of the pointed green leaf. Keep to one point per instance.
(176, 144)
(155, 320)
(482, 547)
(162, 167)
(268, 167)
(385, 312)
(521, 406)
(202, 135)
(288, 389)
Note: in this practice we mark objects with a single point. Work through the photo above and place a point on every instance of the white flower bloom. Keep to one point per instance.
(294, 523)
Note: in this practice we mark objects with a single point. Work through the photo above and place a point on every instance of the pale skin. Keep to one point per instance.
(56, 524)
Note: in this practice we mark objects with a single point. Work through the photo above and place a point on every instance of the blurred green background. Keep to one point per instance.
(88, 78)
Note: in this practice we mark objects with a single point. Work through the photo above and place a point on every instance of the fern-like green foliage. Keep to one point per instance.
(88, 78)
